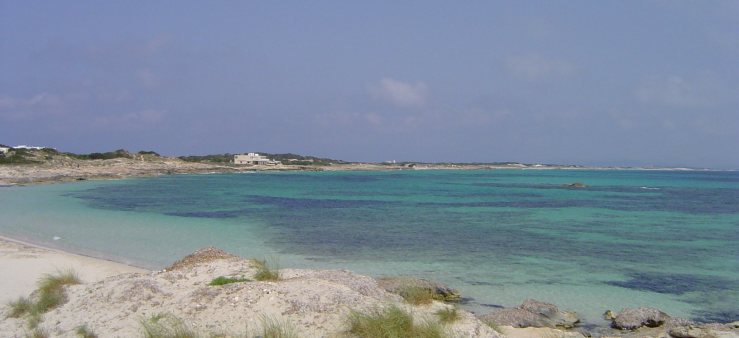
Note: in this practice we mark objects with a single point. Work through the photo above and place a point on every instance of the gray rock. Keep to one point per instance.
(516, 317)
(689, 331)
(564, 319)
(634, 318)
(533, 313)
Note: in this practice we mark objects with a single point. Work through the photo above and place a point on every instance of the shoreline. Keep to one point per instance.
(29, 174)
(22, 264)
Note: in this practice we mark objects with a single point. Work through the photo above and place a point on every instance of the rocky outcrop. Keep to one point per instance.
(315, 303)
(200, 256)
(439, 291)
(576, 185)
(533, 313)
(634, 318)
(703, 331)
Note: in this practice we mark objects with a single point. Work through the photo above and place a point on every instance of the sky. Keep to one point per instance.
(646, 83)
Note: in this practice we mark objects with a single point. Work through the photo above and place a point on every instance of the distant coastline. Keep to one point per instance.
(46, 165)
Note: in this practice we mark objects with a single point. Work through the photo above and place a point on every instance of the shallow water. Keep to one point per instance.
(632, 238)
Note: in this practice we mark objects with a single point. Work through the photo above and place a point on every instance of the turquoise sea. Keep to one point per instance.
(668, 239)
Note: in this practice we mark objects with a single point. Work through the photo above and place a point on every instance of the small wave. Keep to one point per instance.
(650, 188)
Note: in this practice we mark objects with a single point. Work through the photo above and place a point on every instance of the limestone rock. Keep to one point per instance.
(634, 318)
(533, 313)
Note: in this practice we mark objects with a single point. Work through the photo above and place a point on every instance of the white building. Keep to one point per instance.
(22, 146)
(253, 158)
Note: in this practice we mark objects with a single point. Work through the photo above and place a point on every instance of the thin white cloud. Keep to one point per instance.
(535, 67)
(401, 93)
(147, 78)
(677, 91)
(13, 108)
(134, 120)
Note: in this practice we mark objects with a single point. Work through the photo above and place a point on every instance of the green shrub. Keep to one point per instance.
(390, 323)
(226, 280)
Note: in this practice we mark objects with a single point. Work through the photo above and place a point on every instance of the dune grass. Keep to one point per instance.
(222, 280)
(38, 333)
(273, 328)
(266, 271)
(448, 315)
(51, 290)
(390, 323)
(416, 295)
(84, 332)
(19, 307)
(493, 325)
(166, 325)
(49, 294)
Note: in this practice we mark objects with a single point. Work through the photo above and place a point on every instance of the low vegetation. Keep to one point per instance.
(38, 333)
(493, 325)
(221, 280)
(19, 156)
(391, 322)
(266, 271)
(19, 307)
(120, 153)
(448, 315)
(50, 294)
(84, 332)
(166, 325)
(416, 295)
(273, 328)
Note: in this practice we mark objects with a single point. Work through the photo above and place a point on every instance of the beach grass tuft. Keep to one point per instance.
(84, 332)
(34, 320)
(52, 282)
(222, 280)
(416, 295)
(19, 307)
(273, 328)
(51, 290)
(390, 322)
(493, 325)
(266, 271)
(38, 333)
(166, 325)
(448, 315)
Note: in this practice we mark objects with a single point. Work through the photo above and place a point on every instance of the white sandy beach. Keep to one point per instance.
(22, 264)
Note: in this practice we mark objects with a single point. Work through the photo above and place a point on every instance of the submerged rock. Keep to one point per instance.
(634, 318)
(439, 291)
(533, 313)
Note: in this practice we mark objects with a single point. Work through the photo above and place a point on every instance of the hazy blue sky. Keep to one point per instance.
(588, 82)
